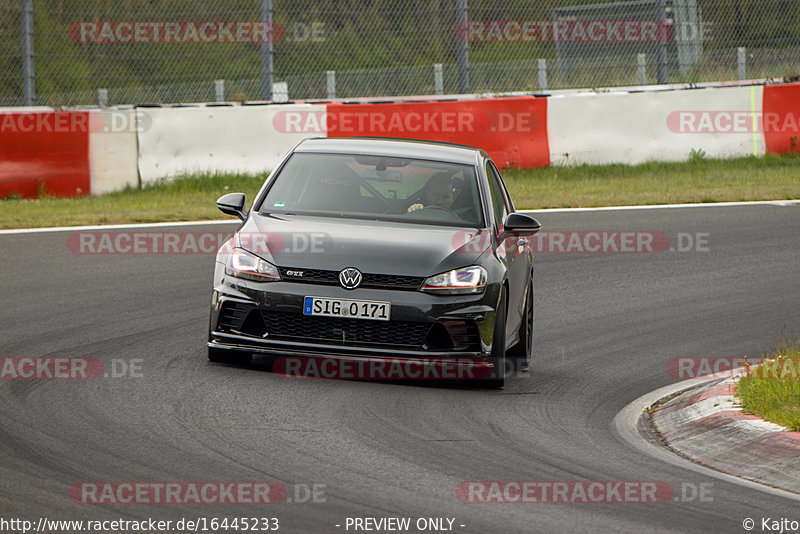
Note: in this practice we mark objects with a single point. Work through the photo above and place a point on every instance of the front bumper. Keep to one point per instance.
(267, 318)
(295, 362)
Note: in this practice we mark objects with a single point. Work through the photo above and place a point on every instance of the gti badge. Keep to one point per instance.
(350, 278)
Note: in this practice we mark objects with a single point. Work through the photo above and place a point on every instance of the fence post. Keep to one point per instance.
(28, 74)
(462, 47)
(331, 84)
(266, 51)
(542, 67)
(742, 60)
(219, 90)
(438, 82)
(102, 98)
(641, 60)
(661, 49)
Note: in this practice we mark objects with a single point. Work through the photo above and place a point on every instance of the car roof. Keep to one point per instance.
(384, 146)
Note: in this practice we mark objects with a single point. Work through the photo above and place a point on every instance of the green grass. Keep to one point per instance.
(192, 197)
(699, 180)
(772, 389)
(187, 198)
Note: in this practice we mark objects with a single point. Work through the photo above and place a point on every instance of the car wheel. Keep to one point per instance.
(497, 378)
(229, 356)
(522, 352)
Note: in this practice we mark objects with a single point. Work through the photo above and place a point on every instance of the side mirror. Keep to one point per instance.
(233, 204)
(521, 223)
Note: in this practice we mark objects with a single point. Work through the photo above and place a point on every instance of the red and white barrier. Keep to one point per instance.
(252, 139)
(66, 153)
(69, 153)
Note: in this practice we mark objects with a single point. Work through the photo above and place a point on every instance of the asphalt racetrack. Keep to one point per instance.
(606, 326)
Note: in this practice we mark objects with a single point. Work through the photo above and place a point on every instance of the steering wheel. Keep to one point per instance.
(440, 210)
(437, 208)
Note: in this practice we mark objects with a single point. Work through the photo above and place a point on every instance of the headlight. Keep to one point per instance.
(244, 264)
(457, 282)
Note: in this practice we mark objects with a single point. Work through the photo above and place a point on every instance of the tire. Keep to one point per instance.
(522, 353)
(497, 378)
(229, 356)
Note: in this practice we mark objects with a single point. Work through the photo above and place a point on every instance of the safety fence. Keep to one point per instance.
(82, 52)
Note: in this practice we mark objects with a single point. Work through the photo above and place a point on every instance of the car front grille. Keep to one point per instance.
(232, 316)
(249, 320)
(464, 334)
(339, 331)
(448, 334)
(369, 280)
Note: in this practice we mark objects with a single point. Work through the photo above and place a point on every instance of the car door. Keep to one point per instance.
(508, 249)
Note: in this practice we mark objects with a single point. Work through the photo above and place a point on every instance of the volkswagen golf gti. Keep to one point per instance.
(367, 249)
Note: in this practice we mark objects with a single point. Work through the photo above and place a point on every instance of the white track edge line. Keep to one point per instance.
(117, 226)
(778, 203)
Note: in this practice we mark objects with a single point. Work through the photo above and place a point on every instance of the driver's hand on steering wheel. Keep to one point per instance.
(415, 207)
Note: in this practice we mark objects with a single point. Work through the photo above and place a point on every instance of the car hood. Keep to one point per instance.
(368, 245)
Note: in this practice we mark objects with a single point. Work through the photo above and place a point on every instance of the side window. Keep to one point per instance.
(509, 204)
(498, 194)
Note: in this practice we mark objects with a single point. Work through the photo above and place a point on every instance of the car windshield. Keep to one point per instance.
(376, 187)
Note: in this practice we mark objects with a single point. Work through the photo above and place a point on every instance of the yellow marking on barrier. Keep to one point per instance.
(753, 114)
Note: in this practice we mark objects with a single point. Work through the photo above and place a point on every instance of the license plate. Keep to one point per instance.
(351, 309)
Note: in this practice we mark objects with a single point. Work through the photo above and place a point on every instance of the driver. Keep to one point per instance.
(439, 191)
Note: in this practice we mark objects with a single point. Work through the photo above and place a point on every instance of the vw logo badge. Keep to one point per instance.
(350, 278)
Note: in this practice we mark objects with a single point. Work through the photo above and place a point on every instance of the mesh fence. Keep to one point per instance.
(151, 52)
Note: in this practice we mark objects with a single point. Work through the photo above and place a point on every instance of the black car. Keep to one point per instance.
(365, 250)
